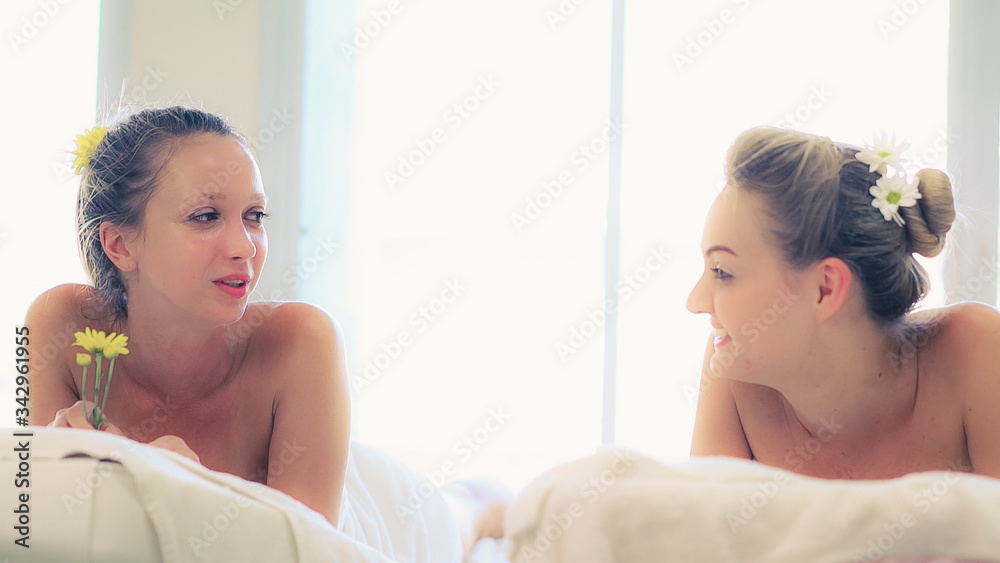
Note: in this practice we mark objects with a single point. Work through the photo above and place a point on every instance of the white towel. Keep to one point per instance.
(197, 514)
(619, 505)
(392, 508)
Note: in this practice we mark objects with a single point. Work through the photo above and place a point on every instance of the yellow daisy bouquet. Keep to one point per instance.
(102, 346)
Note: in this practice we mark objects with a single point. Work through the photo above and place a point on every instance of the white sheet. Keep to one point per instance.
(152, 505)
(619, 505)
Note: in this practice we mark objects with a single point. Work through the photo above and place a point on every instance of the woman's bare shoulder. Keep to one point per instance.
(968, 345)
(288, 328)
(964, 339)
(64, 306)
(287, 319)
(966, 327)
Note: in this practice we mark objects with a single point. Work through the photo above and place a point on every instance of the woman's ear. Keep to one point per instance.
(834, 279)
(118, 246)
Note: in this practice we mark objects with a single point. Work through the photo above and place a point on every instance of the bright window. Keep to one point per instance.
(49, 62)
(478, 190)
(478, 184)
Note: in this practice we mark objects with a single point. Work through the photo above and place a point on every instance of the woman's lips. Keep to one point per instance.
(233, 286)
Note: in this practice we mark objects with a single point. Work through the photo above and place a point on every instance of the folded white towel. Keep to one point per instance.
(619, 505)
(97, 495)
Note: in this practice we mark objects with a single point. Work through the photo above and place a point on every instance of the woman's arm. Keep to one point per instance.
(974, 332)
(50, 324)
(717, 426)
(55, 401)
(307, 457)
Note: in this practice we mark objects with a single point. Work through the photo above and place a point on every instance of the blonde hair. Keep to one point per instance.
(819, 206)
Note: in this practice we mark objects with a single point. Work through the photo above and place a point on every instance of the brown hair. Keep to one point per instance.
(122, 175)
(817, 196)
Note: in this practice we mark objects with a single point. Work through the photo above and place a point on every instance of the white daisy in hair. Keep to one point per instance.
(883, 153)
(892, 193)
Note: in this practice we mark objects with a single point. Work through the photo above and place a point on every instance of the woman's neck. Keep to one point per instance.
(182, 362)
(856, 386)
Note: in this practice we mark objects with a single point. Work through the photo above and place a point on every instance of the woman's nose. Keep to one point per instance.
(698, 300)
(241, 243)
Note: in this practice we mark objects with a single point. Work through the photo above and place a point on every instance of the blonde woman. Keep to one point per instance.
(818, 362)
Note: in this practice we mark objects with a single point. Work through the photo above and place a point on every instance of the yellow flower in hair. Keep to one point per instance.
(83, 360)
(85, 145)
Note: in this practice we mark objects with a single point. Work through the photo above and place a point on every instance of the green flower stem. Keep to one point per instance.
(95, 420)
(107, 385)
(83, 390)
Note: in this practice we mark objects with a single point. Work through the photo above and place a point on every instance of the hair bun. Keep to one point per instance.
(929, 221)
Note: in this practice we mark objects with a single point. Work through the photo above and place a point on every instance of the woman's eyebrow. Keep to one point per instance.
(719, 248)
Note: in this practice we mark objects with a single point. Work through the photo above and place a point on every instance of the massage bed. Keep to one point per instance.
(97, 497)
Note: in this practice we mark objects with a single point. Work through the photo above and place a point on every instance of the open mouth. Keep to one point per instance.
(235, 285)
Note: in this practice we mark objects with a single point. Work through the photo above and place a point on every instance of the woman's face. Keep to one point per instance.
(202, 244)
(753, 297)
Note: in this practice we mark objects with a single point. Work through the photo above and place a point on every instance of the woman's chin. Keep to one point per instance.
(231, 314)
(725, 366)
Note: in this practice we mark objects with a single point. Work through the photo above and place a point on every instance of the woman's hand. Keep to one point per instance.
(176, 445)
(77, 416)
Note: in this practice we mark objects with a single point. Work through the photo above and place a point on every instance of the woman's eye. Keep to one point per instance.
(257, 216)
(206, 217)
(721, 274)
